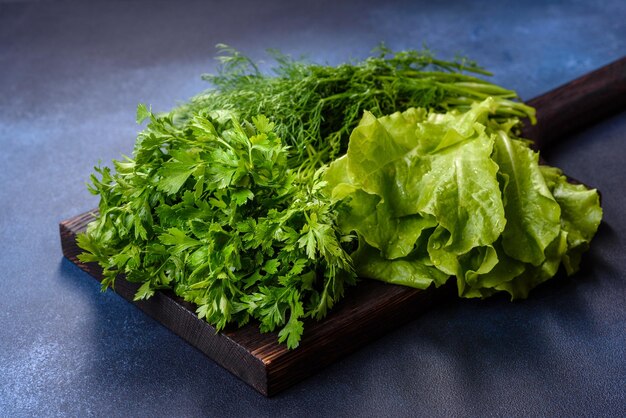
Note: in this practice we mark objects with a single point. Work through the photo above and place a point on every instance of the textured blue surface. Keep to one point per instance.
(71, 75)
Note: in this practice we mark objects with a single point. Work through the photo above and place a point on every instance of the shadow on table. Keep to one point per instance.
(135, 362)
(533, 355)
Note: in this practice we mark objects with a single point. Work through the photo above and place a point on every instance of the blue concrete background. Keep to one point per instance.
(71, 75)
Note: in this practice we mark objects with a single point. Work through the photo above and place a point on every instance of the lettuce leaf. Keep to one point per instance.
(436, 195)
(581, 214)
(533, 215)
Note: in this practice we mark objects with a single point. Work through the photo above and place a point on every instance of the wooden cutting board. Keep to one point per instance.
(370, 309)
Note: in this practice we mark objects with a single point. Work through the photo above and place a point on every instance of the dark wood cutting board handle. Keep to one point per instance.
(578, 104)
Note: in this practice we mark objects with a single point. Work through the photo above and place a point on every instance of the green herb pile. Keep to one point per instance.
(242, 202)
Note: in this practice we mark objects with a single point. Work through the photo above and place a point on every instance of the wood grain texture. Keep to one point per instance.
(372, 308)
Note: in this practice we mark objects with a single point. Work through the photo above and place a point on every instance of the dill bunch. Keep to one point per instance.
(316, 107)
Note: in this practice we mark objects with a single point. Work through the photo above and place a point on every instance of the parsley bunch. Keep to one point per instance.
(211, 210)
